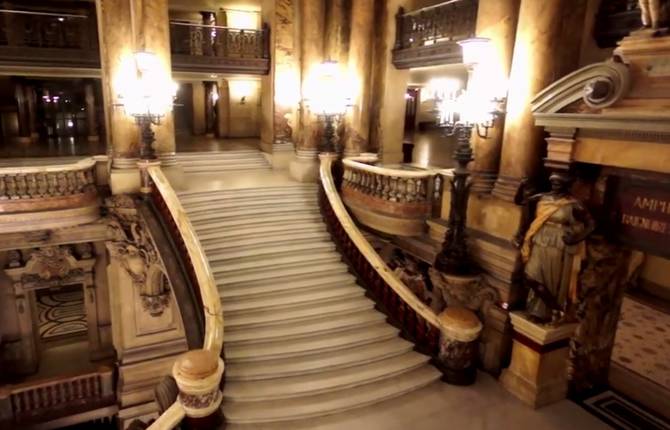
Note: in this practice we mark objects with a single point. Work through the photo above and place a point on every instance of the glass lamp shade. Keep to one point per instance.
(328, 92)
(475, 50)
(152, 92)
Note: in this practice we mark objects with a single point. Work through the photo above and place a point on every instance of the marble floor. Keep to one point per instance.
(483, 406)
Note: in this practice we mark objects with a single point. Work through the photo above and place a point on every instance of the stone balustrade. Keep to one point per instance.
(392, 200)
(48, 196)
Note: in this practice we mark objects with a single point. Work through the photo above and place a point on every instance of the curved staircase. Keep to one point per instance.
(301, 338)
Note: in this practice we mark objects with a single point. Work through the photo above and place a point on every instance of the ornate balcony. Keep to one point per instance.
(211, 48)
(428, 36)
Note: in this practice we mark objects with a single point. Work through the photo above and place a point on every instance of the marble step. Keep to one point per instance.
(226, 204)
(309, 345)
(187, 196)
(328, 381)
(266, 239)
(205, 227)
(269, 250)
(304, 328)
(292, 298)
(268, 277)
(300, 282)
(252, 213)
(330, 403)
(191, 154)
(296, 313)
(260, 232)
(239, 158)
(331, 360)
(255, 264)
(219, 168)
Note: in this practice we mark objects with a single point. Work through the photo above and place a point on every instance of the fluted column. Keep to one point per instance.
(313, 20)
(210, 115)
(31, 100)
(91, 119)
(199, 112)
(337, 30)
(544, 51)
(360, 63)
(223, 109)
(497, 21)
(116, 55)
(22, 112)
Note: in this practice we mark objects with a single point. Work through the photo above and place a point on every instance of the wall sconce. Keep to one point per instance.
(148, 98)
(328, 99)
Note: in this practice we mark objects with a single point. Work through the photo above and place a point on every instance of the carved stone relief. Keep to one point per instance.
(136, 252)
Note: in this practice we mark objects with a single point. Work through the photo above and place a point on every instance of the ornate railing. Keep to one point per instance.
(427, 36)
(36, 401)
(196, 46)
(62, 187)
(49, 38)
(198, 372)
(392, 200)
(417, 320)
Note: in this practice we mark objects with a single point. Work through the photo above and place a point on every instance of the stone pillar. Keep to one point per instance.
(390, 84)
(360, 62)
(210, 115)
(198, 375)
(538, 373)
(546, 48)
(305, 166)
(496, 20)
(22, 112)
(31, 99)
(116, 56)
(223, 109)
(199, 122)
(91, 119)
(337, 30)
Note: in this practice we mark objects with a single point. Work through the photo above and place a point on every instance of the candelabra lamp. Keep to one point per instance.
(329, 101)
(460, 112)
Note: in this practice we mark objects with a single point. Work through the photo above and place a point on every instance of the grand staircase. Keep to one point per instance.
(301, 338)
(222, 161)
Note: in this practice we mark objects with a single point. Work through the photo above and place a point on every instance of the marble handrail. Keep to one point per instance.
(82, 164)
(211, 302)
(209, 293)
(368, 253)
(356, 163)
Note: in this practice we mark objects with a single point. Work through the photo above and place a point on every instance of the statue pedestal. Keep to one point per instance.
(538, 372)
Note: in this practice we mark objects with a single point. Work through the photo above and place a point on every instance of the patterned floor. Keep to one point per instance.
(642, 342)
(61, 313)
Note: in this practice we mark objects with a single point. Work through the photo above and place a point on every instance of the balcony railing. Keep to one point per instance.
(48, 39)
(198, 47)
(427, 36)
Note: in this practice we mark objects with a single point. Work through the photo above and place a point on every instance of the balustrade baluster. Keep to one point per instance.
(32, 185)
(21, 186)
(3, 189)
(11, 187)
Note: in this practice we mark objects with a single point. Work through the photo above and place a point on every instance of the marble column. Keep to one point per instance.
(31, 100)
(337, 30)
(91, 119)
(116, 56)
(199, 122)
(389, 86)
(223, 109)
(210, 115)
(497, 21)
(305, 165)
(360, 63)
(152, 26)
(546, 48)
(22, 112)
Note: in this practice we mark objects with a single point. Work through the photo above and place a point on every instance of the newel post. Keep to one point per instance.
(198, 374)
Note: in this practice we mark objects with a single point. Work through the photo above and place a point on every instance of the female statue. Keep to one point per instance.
(552, 250)
(654, 13)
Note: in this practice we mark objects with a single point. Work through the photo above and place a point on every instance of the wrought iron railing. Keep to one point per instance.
(451, 20)
(216, 41)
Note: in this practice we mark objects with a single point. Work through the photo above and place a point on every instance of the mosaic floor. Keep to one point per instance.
(642, 342)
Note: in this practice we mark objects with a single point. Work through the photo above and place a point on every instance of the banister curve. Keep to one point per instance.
(364, 246)
(213, 339)
(82, 164)
(386, 171)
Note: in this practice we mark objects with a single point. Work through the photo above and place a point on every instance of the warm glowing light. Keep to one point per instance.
(215, 94)
(328, 90)
(476, 50)
(247, 20)
(145, 88)
(241, 89)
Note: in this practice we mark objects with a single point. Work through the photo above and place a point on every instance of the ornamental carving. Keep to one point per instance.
(132, 247)
(50, 265)
(199, 401)
(469, 292)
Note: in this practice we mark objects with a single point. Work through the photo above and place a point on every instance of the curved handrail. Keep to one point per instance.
(386, 171)
(211, 301)
(373, 258)
(83, 164)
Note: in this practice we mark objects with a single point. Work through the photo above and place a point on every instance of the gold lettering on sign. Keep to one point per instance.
(652, 205)
(645, 223)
